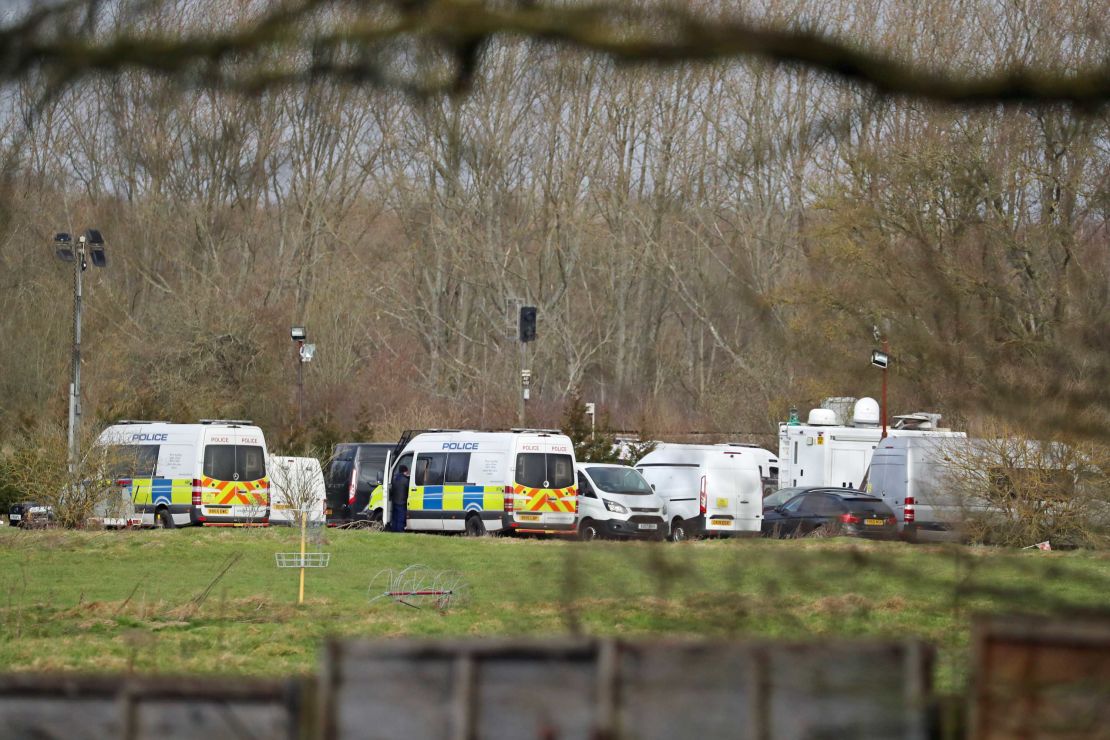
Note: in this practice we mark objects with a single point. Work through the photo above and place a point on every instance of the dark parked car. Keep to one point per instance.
(356, 469)
(831, 511)
(29, 514)
(781, 496)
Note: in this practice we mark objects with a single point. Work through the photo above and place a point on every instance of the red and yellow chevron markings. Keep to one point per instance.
(246, 492)
(563, 500)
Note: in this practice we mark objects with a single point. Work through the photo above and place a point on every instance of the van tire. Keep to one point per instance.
(588, 531)
(163, 519)
(474, 527)
(680, 531)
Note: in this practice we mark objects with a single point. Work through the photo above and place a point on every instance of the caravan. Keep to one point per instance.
(479, 482)
(212, 473)
(709, 489)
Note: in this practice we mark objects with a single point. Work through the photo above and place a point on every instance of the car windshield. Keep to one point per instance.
(780, 497)
(620, 480)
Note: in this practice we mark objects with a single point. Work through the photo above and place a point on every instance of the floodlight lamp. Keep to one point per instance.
(308, 351)
(297, 333)
(93, 237)
(880, 359)
(63, 246)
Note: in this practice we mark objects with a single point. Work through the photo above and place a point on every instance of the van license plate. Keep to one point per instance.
(721, 522)
(15, 517)
(874, 522)
(283, 506)
(648, 526)
(219, 510)
(528, 517)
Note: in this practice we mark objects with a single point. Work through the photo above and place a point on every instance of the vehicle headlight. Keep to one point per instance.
(615, 507)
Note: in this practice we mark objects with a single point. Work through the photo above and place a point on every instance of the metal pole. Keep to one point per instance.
(304, 524)
(300, 384)
(521, 408)
(75, 382)
(886, 351)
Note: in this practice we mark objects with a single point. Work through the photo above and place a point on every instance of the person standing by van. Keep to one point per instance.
(399, 498)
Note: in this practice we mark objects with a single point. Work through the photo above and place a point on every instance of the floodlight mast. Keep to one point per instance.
(62, 241)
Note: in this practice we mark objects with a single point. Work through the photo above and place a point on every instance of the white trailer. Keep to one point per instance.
(829, 453)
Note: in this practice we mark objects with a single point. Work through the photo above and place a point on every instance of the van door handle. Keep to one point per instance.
(744, 501)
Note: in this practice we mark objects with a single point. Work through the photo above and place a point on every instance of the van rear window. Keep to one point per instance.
(132, 461)
(234, 462)
(540, 470)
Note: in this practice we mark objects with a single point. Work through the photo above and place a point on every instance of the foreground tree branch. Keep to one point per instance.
(366, 42)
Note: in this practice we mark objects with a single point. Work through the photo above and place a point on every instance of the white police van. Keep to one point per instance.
(212, 473)
(477, 482)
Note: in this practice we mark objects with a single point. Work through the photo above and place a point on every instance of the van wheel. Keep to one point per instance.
(376, 521)
(163, 519)
(679, 531)
(474, 526)
(588, 531)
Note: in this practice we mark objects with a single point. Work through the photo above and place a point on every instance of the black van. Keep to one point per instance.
(356, 469)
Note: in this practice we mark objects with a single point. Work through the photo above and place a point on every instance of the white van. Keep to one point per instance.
(709, 489)
(616, 501)
(477, 482)
(296, 484)
(212, 473)
(919, 478)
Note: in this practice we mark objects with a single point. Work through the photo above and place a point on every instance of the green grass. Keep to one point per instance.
(122, 601)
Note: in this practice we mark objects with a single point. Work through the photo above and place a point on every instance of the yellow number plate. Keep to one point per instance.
(874, 522)
(720, 522)
(219, 510)
(283, 506)
(528, 517)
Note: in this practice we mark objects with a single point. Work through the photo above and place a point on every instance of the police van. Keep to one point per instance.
(477, 482)
(212, 473)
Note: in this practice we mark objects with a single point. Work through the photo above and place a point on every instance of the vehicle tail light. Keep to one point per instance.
(509, 502)
(198, 492)
(702, 497)
(910, 512)
(849, 518)
(353, 486)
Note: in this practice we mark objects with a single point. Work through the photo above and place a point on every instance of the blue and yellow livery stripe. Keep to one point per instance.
(449, 498)
(457, 498)
(167, 491)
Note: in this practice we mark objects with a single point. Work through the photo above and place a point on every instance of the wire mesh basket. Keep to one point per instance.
(297, 560)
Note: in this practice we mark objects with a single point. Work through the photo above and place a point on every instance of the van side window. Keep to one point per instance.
(430, 469)
(132, 461)
(458, 466)
(584, 488)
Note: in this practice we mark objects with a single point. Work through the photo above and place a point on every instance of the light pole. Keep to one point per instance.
(90, 246)
(591, 410)
(881, 359)
(305, 353)
(526, 333)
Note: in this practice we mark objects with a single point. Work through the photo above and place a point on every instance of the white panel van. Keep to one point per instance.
(616, 501)
(708, 489)
(296, 484)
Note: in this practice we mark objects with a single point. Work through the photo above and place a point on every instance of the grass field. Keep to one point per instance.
(152, 601)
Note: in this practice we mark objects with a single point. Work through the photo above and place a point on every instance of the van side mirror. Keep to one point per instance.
(653, 486)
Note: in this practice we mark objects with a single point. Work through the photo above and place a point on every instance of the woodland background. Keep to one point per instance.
(708, 243)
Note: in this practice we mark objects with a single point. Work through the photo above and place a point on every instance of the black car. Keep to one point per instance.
(831, 511)
(780, 497)
(356, 469)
